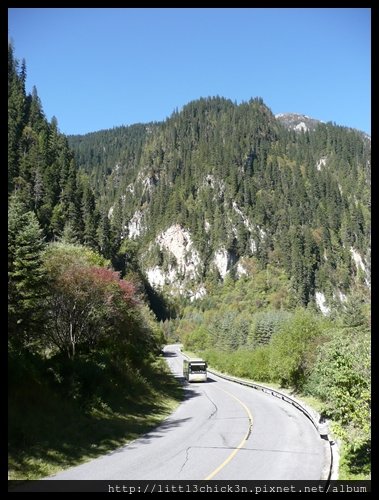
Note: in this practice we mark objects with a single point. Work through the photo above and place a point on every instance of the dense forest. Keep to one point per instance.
(220, 228)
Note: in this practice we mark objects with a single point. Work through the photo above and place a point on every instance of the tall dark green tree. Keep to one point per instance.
(26, 278)
(90, 217)
(104, 236)
(16, 115)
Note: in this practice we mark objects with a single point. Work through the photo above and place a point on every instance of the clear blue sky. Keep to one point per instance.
(97, 68)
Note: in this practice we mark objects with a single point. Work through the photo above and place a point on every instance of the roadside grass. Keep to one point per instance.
(48, 433)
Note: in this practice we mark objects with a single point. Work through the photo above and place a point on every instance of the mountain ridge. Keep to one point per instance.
(292, 120)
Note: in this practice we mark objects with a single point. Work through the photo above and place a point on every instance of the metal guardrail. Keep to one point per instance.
(320, 425)
(272, 392)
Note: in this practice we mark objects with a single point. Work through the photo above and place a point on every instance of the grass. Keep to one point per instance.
(49, 433)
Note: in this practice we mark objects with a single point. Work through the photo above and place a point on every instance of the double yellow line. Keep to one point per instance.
(242, 443)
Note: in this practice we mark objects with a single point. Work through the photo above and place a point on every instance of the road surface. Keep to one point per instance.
(221, 431)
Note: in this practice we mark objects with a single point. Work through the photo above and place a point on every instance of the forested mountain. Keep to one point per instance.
(232, 225)
(218, 183)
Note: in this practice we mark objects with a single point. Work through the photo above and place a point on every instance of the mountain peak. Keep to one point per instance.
(298, 122)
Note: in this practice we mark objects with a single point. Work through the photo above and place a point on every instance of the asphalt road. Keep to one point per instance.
(221, 431)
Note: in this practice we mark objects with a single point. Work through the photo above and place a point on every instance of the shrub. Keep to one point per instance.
(291, 349)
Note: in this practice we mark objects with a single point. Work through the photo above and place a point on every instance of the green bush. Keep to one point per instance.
(241, 363)
(291, 349)
(341, 378)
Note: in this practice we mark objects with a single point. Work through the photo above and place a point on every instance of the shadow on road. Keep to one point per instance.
(210, 380)
(156, 433)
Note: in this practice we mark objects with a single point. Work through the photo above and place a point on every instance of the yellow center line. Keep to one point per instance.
(234, 452)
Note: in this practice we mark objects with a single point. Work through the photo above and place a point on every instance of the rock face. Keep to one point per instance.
(182, 272)
(321, 303)
(360, 266)
(135, 225)
(223, 260)
(178, 242)
(182, 269)
(295, 121)
(321, 163)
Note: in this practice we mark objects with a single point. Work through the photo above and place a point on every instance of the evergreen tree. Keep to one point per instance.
(16, 115)
(104, 236)
(90, 217)
(26, 278)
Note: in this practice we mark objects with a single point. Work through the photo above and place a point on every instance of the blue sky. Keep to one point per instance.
(97, 68)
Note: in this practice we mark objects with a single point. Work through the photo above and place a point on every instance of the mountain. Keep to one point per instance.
(218, 185)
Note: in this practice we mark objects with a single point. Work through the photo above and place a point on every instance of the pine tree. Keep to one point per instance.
(298, 268)
(90, 218)
(26, 278)
(36, 117)
(104, 236)
(16, 115)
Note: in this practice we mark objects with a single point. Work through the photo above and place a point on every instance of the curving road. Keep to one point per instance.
(222, 430)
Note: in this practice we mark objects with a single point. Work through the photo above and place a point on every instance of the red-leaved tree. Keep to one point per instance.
(85, 304)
